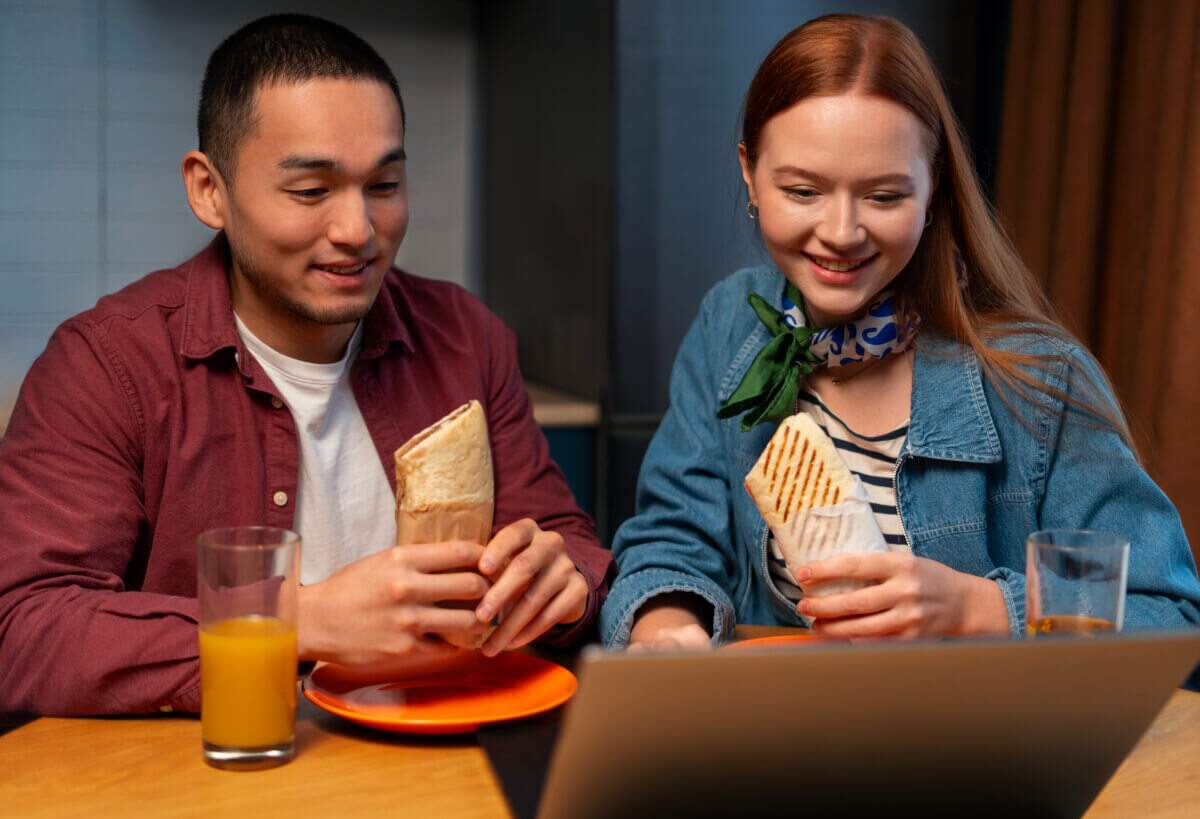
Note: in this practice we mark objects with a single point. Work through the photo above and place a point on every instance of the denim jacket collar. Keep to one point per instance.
(947, 377)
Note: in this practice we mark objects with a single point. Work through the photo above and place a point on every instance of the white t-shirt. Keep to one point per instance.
(344, 509)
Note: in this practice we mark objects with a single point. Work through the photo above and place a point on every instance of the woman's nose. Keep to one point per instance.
(839, 225)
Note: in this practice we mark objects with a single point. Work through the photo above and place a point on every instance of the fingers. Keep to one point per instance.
(431, 648)
(434, 619)
(890, 623)
(683, 638)
(548, 583)
(850, 604)
(438, 557)
(416, 587)
(871, 566)
(567, 607)
(508, 541)
(658, 644)
(520, 572)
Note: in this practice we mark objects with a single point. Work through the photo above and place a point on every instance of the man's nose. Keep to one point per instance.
(350, 221)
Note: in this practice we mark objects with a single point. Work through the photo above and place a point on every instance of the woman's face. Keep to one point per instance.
(842, 185)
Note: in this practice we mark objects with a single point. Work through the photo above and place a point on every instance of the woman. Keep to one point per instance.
(924, 349)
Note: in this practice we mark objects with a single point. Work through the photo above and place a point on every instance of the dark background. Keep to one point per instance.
(613, 200)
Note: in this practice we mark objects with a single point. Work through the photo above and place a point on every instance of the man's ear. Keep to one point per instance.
(207, 193)
(747, 174)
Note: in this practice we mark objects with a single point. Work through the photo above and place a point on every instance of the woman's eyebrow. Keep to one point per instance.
(882, 179)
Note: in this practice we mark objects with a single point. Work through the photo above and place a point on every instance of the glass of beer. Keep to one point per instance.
(1075, 582)
(247, 579)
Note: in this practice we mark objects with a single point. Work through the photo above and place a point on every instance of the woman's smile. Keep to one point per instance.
(835, 271)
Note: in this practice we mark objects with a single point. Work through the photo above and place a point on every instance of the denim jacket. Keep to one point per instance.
(976, 474)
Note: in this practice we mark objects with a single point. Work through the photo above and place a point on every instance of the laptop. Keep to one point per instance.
(1014, 728)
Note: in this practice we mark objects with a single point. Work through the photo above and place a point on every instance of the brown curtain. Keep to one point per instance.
(1098, 181)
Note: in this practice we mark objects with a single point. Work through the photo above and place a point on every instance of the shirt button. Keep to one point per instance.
(276, 403)
(280, 498)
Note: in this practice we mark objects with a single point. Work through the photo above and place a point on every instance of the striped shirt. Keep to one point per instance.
(873, 460)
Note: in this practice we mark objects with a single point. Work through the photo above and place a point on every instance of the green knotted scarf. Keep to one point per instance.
(769, 388)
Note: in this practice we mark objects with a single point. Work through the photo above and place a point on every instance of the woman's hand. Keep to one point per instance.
(671, 622)
(913, 597)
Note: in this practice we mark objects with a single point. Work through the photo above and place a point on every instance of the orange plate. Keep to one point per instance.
(780, 640)
(475, 691)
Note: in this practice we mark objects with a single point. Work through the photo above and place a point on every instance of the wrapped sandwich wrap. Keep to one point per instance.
(444, 486)
(814, 505)
(444, 481)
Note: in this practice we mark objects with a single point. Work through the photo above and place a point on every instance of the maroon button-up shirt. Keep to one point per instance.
(145, 422)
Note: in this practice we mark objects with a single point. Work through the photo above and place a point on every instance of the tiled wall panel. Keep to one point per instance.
(98, 104)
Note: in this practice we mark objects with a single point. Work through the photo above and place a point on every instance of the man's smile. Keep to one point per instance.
(345, 268)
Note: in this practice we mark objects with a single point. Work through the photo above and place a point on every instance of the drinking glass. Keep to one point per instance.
(247, 579)
(1075, 581)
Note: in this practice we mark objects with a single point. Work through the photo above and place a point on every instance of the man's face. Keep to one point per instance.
(318, 204)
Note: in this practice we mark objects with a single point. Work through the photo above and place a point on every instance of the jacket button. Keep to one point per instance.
(276, 403)
(280, 498)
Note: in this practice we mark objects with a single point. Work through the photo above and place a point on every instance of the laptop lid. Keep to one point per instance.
(1030, 728)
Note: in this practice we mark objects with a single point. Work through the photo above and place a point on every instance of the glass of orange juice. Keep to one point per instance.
(247, 586)
(1075, 582)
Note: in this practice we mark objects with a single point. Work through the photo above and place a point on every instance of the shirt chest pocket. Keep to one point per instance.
(959, 515)
(944, 507)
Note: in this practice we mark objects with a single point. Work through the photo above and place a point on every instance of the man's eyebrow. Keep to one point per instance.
(394, 155)
(307, 163)
(299, 162)
(883, 179)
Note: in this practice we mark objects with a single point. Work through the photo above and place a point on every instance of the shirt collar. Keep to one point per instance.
(951, 420)
(208, 311)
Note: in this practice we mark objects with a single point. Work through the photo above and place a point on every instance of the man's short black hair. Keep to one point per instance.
(280, 48)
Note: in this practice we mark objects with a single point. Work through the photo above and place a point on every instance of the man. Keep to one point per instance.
(269, 380)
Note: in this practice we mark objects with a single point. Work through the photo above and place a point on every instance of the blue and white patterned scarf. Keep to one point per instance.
(874, 334)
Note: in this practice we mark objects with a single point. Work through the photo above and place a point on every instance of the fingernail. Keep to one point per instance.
(484, 613)
(803, 607)
(803, 573)
(487, 566)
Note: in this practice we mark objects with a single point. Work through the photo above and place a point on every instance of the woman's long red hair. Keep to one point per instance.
(965, 278)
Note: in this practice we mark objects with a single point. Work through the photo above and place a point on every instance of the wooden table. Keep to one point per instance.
(152, 767)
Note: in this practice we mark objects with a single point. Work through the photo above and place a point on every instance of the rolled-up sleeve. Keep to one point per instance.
(73, 639)
(1094, 480)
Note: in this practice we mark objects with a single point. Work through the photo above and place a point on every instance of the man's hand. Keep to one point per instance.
(534, 586)
(383, 607)
(671, 622)
(914, 597)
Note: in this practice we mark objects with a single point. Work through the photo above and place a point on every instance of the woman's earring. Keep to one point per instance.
(929, 217)
(751, 210)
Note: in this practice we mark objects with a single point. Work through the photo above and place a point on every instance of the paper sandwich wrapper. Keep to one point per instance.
(825, 531)
(816, 508)
(445, 489)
